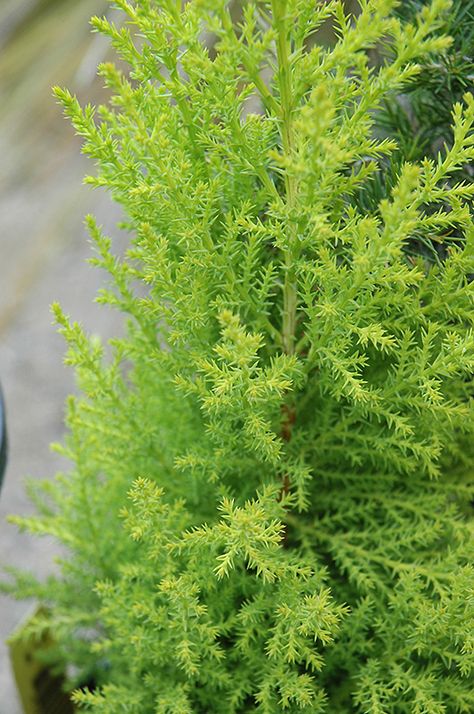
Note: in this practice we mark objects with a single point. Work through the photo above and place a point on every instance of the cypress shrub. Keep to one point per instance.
(268, 508)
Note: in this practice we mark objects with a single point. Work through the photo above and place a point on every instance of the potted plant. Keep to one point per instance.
(268, 505)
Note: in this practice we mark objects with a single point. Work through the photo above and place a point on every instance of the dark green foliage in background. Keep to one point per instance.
(420, 117)
(442, 81)
(268, 509)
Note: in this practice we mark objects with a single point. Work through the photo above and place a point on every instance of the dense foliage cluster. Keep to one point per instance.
(268, 508)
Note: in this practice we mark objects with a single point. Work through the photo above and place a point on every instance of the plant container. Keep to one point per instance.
(41, 690)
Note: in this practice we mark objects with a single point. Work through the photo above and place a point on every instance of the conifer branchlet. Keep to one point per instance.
(268, 509)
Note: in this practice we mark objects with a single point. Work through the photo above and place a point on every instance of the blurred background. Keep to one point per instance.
(43, 254)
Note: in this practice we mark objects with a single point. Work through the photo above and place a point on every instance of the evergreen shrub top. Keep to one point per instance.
(268, 508)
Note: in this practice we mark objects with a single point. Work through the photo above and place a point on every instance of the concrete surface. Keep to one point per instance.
(34, 380)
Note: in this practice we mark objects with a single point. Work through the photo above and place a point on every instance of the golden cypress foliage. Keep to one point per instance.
(268, 508)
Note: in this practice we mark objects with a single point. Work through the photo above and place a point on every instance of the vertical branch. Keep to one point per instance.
(280, 20)
(286, 123)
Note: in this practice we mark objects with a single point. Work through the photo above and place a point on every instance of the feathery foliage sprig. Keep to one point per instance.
(268, 505)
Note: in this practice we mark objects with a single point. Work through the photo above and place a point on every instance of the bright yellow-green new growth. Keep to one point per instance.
(268, 508)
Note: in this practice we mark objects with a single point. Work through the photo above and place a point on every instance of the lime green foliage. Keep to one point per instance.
(290, 411)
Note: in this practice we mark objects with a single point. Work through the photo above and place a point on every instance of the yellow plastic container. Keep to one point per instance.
(41, 691)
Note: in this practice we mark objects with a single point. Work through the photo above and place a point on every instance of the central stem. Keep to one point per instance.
(286, 118)
(290, 244)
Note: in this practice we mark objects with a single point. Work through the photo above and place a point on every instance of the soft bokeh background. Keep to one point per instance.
(43, 254)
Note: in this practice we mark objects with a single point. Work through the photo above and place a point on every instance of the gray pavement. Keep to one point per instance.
(34, 380)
